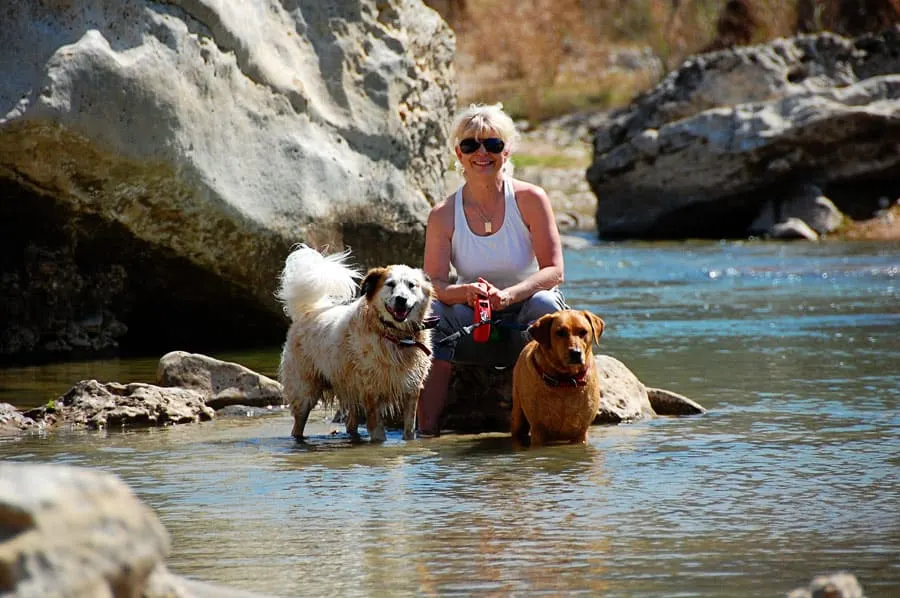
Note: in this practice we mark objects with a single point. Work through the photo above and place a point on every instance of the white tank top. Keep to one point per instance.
(503, 258)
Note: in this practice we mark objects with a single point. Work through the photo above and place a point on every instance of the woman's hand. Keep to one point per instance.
(500, 299)
(474, 290)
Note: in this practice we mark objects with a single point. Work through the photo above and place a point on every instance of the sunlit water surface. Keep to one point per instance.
(793, 472)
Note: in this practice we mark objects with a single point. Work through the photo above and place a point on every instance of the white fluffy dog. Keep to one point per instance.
(372, 352)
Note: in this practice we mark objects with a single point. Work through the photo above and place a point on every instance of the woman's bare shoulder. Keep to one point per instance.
(530, 196)
(528, 191)
(442, 212)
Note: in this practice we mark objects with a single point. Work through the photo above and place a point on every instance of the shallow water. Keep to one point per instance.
(792, 473)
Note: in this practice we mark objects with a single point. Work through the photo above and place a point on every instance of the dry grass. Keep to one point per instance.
(544, 58)
(531, 54)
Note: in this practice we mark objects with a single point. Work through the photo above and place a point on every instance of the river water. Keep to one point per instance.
(793, 348)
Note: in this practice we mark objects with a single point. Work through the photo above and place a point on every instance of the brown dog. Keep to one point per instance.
(556, 391)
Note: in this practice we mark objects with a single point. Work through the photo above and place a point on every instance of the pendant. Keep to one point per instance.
(487, 227)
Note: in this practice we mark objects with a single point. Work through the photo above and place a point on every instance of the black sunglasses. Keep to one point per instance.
(470, 145)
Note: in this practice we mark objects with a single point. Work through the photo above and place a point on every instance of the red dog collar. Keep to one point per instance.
(407, 342)
(563, 380)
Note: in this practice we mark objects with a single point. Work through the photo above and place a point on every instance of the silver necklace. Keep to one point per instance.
(486, 220)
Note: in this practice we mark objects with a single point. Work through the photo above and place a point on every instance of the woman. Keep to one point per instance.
(500, 235)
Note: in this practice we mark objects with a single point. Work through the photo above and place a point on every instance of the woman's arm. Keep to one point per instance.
(534, 205)
(438, 239)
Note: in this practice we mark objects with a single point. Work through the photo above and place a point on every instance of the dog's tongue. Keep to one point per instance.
(399, 315)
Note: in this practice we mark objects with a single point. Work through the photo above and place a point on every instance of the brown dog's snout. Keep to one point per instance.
(576, 356)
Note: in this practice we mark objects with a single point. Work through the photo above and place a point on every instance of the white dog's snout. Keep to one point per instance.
(406, 298)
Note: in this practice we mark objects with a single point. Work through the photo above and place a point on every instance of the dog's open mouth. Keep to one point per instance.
(399, 315)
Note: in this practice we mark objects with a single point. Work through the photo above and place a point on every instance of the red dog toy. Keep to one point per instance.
(482, 314)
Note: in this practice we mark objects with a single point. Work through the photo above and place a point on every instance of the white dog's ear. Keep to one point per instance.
(372, 282)
(428, 286)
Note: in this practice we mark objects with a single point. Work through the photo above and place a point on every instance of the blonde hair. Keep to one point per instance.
(482, 121)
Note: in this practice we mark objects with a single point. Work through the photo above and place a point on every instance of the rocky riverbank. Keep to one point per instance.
(556, 154)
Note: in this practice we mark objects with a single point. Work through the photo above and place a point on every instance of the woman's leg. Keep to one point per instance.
(540, 304)
(433, 396)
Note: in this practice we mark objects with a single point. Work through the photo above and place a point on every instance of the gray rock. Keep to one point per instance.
(836, 585)
(480, 398)
(222, 383)
(74, 532)
(14, 421)
(666, 402)
(793, 228)
(165, 584)
(576, 243)
(245, 411)
(623, 398)
(807, 204)
(190, 144)
(723, 134)
(92, 404)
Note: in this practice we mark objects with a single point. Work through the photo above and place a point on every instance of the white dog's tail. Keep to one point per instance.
(310, 279)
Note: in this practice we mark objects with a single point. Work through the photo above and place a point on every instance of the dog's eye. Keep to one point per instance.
(411, 284)
(562, 333)
(582, 333)
(390, 284)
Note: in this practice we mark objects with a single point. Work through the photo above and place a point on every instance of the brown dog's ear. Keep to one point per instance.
(371, 282)
(540, 329)
(597, 325)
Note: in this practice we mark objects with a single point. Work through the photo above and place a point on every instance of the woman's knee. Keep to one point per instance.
(452, 319)
(542, 303)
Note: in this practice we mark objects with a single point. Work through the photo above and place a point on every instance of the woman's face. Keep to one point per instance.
(486, 157)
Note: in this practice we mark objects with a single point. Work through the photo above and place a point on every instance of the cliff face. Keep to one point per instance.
(733, 135)
(158, 160)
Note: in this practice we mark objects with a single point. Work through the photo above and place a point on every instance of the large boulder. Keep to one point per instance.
(222, 383)
(74, 532)
(480, 398)
(158, 160)
(71, 531)
(730, 133)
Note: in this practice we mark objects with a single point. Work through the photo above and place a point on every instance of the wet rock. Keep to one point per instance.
(92, 404)
(623, 398)
(836, 585)
(480, 398)
(666, 402)
(247, 411)
(165, 584)
(75, 532)
(793, 228)
(222, 383)
(12, 420)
